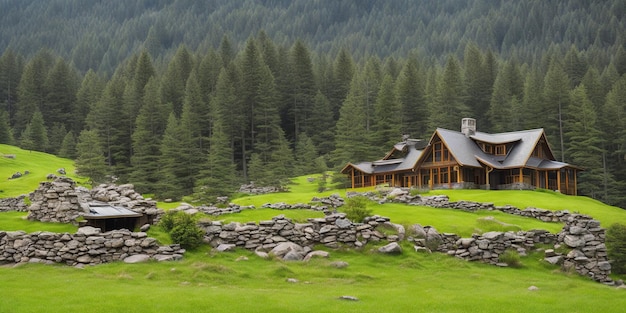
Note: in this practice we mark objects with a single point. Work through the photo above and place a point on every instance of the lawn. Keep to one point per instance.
(38, 164)
(224, 282)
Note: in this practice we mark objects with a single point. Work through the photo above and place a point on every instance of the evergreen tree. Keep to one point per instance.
(35, 136)
(11, 68)
(149, 128)
(68, 146)
(322, 125)
(90, 160)
(351, 134)
(219, 176)
(306, 155)
(172, 175)
(61, 85)
(55, 138)
(208, 72)
(557, 99)
(87, 96)
(6, 134)
(343, 71)
(532, 102)
(302, 91)
(449, 104)
(386, 128)
(413, 111)
(585, 142)
(175, 79)
(478, 83)
(281, 165)
(31, 91)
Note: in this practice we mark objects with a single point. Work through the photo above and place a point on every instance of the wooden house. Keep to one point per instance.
(469, 159)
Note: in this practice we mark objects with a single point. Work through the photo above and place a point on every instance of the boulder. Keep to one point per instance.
(392, 248)
(137, 258)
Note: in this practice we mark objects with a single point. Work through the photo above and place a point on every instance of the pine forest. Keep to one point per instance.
(197, 97)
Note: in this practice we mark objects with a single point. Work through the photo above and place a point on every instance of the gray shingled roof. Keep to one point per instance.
(391, 165)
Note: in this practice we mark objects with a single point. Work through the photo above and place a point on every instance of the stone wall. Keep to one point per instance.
(332, 231)
(87, 247)
(13, 204)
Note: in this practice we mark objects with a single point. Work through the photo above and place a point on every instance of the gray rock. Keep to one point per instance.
(137, 258)
(392, 248)
(533, 288)
(574, 241)
(318, 253)
(339, 264)
(225, 247)
(349, 298)
(554, 259)
(88, 231)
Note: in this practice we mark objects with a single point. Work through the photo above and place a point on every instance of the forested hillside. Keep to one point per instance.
(184, 97)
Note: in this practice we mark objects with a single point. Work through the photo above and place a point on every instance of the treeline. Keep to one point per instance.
(206, 122)
(99, 35)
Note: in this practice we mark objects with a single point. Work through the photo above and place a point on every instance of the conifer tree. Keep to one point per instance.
(219, 176)
(11, 68)
(449, 103)
(322, 125)
(87, 96)
(351, 134)
(172, 175)
(386, 127)
(557, 99)
(585, 143)
(149, 128)
(413, 111)
(90, 160)
(343, 71)
(6, 134)
(55, 137)
(61, 85)
(31, 91)
(35, 136)
(306, 155)
(68, 146)
(302, 91)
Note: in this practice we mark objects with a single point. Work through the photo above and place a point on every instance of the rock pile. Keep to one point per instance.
(13, 204)
(588, 256)
(252, 189)
(126, 196)
(55, 201)
(86, 247)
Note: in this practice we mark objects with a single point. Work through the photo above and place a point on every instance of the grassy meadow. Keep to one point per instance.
(239, 281)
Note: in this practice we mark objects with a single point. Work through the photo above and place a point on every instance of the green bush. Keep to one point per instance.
(616, 245)
(183, 229)
(356, 209)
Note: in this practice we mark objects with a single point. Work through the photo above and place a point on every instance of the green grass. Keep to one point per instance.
(13, 221)
(204, 281)
(39, 165)
(411, 282)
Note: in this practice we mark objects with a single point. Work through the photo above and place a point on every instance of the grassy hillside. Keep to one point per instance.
(39, 165)
(242, 282)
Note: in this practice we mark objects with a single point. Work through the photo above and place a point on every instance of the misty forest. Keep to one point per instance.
(197, 97)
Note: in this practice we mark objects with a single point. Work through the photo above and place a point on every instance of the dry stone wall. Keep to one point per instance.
(332, 231)
(87, 247)
(13, 204)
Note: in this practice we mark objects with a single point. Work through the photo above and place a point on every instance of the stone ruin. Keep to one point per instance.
(61, 201)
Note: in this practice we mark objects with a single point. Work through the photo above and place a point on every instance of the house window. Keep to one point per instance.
(487, 148)
(441, 153)
(500, 150)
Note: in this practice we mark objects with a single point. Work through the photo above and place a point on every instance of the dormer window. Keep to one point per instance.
(487, 148)
(501, 150)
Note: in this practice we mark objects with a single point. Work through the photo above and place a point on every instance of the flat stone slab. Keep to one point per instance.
(137, 258)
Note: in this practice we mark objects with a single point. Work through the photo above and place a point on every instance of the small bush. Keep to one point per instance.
(511, 258)
(183, 229)
(616, 245)
(356, 209)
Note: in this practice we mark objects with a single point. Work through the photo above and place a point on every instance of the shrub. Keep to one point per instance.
(616, 245)
(183, 229)
(356, 209)
(511, 258)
